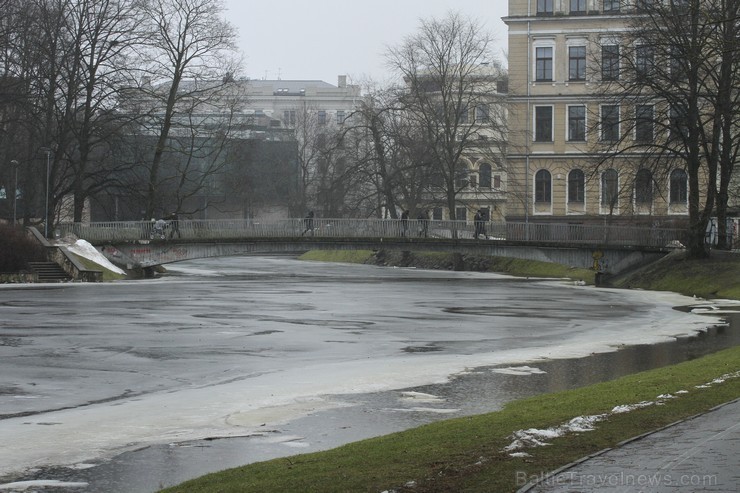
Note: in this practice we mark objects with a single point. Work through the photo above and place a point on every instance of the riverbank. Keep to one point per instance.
(715, 277)
(496, 451)
(450, 261)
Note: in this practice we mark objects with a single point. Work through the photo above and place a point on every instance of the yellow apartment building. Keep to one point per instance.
(562, 56)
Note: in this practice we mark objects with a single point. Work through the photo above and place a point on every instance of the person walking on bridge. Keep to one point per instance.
(480, 225)
(404, 222)
(174, 225)
(423, 220)
(308, 223)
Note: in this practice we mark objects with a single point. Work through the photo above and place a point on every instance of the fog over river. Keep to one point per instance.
(124, 386)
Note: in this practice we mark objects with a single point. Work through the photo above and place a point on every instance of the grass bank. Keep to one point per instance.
(715, 277)
(468, 454)
(447, 261)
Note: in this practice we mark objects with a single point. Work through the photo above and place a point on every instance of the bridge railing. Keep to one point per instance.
(232, 229)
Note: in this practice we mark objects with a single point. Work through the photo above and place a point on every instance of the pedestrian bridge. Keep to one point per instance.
(609, 249)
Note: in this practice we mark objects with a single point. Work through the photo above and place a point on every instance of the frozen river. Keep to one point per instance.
(123, 386)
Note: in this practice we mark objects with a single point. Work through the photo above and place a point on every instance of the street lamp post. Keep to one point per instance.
(47, 150)
(15, 191)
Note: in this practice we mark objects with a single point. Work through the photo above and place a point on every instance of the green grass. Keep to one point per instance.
(465, 454)
(445, 261)
(344, 256)
(715, 277)
(535, 268)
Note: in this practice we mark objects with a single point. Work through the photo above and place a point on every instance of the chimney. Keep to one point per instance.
(342, 81)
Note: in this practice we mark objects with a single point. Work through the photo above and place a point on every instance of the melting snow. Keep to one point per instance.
(518, 370)
(420, 397)
(536, 438)
(25, 485)
(85, 249)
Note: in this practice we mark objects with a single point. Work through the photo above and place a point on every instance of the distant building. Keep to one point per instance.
(215, 141)
(281, 103)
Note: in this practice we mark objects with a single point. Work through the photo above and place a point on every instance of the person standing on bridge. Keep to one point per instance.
(423, 220)
(174, 225)
(308, 223)
(404, 222)
(480, 224)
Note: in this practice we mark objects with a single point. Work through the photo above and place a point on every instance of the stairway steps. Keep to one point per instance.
(49, 272)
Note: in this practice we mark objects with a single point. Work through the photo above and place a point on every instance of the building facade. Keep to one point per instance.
(564, 122)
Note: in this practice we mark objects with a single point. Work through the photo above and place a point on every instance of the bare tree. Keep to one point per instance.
(189, 69)
(450, 93)
(675, 98)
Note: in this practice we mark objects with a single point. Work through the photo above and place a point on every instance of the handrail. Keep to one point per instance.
(296, 228)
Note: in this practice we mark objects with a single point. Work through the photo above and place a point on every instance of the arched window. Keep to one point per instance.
(644, 187)
(576, 186)
(542, 187)
(609, 188)
(484, 175)
(679, 187)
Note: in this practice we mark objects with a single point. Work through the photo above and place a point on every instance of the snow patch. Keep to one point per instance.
(42, 483)
(425, 410)
(420, 397)
(86, 250)
(519, 370)
(625, 408)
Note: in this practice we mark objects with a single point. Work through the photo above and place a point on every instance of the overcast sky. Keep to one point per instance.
(297, 39)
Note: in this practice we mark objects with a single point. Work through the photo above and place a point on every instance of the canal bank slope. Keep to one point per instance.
(714, 277)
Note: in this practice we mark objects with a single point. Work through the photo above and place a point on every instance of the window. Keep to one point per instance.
(544, 7)
(609, 188)
(676, 64)
(497, 182)
(461, 213)
(289, 118)
(576, 123)
(679, 187)
(437, 214)
(577, 63)
(481, 113)
(610, 62)
(543, 123)
(612, 5)
(322, 117)
(644, 60)
(484, 174)
(576, 186)
(463, 115)
(341, 116)
(461, 178)
(543, 71)
(542, 187)
(644, 187)
(643, 5)
(610, 123)
(577, 7)
(678, 123)
(644, 123)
